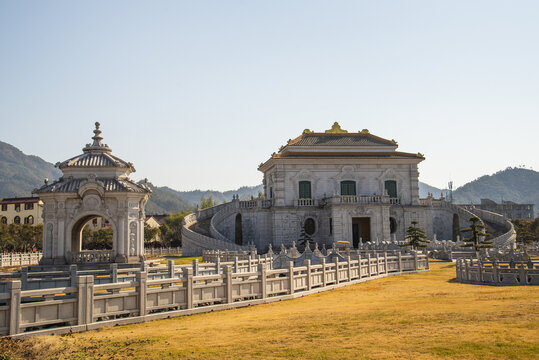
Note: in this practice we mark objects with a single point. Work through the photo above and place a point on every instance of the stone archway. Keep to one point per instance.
(81, 255)
(94, 184)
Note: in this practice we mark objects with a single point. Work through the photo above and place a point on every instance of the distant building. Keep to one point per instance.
(23, 210)
(509, 209)
(155, 221)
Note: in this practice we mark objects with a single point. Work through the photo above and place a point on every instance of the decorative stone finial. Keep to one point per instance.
(46, 181)
(97, 138)
(306, 131)
(365, 131)
(336, 129)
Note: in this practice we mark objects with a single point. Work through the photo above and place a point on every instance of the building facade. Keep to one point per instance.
(334, 188)
(23, 210)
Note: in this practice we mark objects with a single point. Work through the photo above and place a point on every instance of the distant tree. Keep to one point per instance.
(171, 230)
(261, 195)
(207, 202)
(20, 237)
(415, 236)
(527, 231)
(150, 234)
(97, 240)
(305, 239)
(477, 233)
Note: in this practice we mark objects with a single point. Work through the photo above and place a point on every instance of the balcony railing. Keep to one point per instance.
(362, 199)
(305, 202)
(92, 257)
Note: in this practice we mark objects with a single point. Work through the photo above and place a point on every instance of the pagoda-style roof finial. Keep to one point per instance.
(97, 138)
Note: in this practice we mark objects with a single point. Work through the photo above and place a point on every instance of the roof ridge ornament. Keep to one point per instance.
(97, 138)
(336, 129)
(97, 144)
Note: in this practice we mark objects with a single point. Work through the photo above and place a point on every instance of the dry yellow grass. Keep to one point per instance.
(416, 316)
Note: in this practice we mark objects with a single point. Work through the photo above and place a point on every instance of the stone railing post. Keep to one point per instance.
(523, 274)
(14, 288)
(195, 267)
(359, 264)
(218, 265)
(73, 275)
(385, 262)
(85, 298)
(399, 256)
(114, 273)
(24, 277)
(349, 268)
(188, 284)
(324, 279)
(467, 269)
(369, 265)
(250, 264)
(263, 279)
(142, 277)
(480, 270)
(495, 272)
(291, 276)
(416, 261)
(336, 262)
(171, 269)
(307, 263)
(377, 263)
(236, 267)
(228, 280)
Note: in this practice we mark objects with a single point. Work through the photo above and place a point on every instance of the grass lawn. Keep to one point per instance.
(416, 316)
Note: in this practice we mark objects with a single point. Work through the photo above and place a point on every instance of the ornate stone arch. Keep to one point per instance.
(80, 219)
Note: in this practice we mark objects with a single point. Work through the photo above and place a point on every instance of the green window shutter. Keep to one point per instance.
(348, 188)
(304, 189)
(391, 187)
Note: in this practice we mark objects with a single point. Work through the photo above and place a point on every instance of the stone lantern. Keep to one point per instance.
(95, 184)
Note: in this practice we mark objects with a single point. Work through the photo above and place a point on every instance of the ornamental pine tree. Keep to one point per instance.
(416, 236)
(475, 240)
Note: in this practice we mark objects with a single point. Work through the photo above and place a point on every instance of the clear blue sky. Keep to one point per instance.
(198, 93)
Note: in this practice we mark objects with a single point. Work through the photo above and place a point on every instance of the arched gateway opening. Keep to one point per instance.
(92, 240)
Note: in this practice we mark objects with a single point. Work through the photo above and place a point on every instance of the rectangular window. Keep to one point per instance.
(348, 188)
(271, 193)
(330, 226)
(4, 207)
(391, 188)
(305, 190)
(17, 207)
(28, 206)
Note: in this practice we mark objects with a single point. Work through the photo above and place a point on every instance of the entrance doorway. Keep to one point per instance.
(361, 228)
(238, 232)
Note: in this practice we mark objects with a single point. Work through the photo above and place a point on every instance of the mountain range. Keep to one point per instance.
(21, 173)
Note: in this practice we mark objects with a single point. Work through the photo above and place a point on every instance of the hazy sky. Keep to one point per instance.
(197, 94)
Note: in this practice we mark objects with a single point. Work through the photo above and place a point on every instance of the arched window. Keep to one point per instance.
(29, 220)
(3, 220)
(238, 233)
(17, 220)
(309, 226)
(305, 190)
(391, 188)
(348, 188)
(392, 225)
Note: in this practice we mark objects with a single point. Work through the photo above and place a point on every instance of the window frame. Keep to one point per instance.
(348, 185)
(303, 186)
